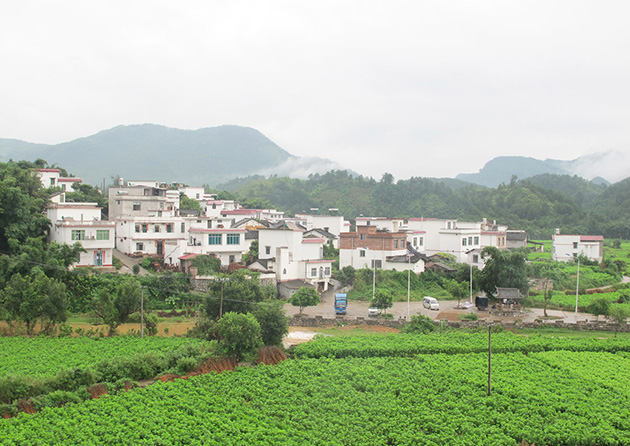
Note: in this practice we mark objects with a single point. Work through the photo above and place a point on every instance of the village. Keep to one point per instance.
(146, 219)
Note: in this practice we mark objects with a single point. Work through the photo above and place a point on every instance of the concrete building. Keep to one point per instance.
(81, 222)
(567, 247)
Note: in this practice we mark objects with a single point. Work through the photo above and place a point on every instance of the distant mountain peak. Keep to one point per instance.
(605, 167)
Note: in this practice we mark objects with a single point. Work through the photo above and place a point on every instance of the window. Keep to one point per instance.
(476, 240)
(575, 255)
(136, 206)
(215, 239)
(415, 241)
(267, 250)
(182, 227)
(470, 239)
(376, 264)
(159, 213)
(575, 245)
(313, 272)
(395, 244)
(327, 271)
(197, 196)
(232, 258)
(464, 241)
(421, 241)
(145, 228)
(139, 246)
(137, 228)
(52, 182)
(156, 228)
(169, 227)
(233, 239)
(368, 223)
(78, 234)
(361, 253)
(63, 187)
(475, 258)
(362, 236)
(102, 234)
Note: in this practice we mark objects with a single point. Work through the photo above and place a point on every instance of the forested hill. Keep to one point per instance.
(539, 204)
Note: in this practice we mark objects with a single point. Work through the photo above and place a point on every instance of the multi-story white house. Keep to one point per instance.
(227, 244)
(374, 247)
(142, 201)
(155, 236)
(567, 247)
(335, 224)
(431, 236)
(389, 224)
(53, 178)
(81, 222)
(291, 256)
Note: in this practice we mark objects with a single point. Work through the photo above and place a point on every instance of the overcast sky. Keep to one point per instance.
(415, 88)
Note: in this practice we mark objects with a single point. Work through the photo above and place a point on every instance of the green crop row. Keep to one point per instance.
(550, 398)
(54, 371)
(45, 357)
(368, 346)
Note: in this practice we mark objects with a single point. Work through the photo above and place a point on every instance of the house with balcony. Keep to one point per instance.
(284, 250)
(373, 247)
(567, 247)
(431, 236)
(52, 178)
(81, 222)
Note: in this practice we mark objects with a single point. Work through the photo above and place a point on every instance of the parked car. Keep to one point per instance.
(431, 303)
(372, 312)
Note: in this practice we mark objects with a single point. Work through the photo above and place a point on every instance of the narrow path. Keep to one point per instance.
(128, 263)
(625, 279)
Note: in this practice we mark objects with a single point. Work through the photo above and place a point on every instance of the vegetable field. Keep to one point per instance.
(547, 398)
(453, 342)
(45, 357)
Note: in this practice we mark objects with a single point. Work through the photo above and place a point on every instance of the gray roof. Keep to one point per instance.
(516, 236)
(322, 232)
(509, 293)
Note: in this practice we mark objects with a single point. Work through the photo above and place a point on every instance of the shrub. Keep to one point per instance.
(240, 334)
(274, 324)
(469, 317)
(419, 324)
(186, 364)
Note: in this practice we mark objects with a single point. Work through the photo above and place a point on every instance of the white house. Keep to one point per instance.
(371, 247)
(155, 236)
(431, 236)
(291, 256)
(389, 224)
(334, 224)
(52, 178)
(142, 201)
(227, 244)
(81, 222)
(567, 247)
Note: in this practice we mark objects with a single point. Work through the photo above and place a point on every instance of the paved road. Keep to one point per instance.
(447, 311)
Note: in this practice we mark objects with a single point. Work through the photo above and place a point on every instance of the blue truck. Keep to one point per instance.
(341, 303)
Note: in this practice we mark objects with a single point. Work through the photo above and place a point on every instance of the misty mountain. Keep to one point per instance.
(602, 168)
(153, 152)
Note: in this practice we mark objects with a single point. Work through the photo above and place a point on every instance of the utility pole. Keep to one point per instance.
(142, 312)
(490, 359)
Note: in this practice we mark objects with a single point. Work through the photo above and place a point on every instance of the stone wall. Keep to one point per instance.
(319, 321)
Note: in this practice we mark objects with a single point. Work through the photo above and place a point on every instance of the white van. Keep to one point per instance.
(431, 303)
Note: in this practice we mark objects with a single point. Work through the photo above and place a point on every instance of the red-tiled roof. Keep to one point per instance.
(188, 256)
(591, 238)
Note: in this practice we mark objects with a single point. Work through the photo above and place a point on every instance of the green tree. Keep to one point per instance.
(383, 299)
(599, 307)
(22, 205)
(503, 268)
(346, 275)
(241, 292)
(239, 333)
(274, 324)
(456, 289)
(619, 315)
(251, 255)
(31, 298)
(114, 309)
(189, 203)
(304, 297)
